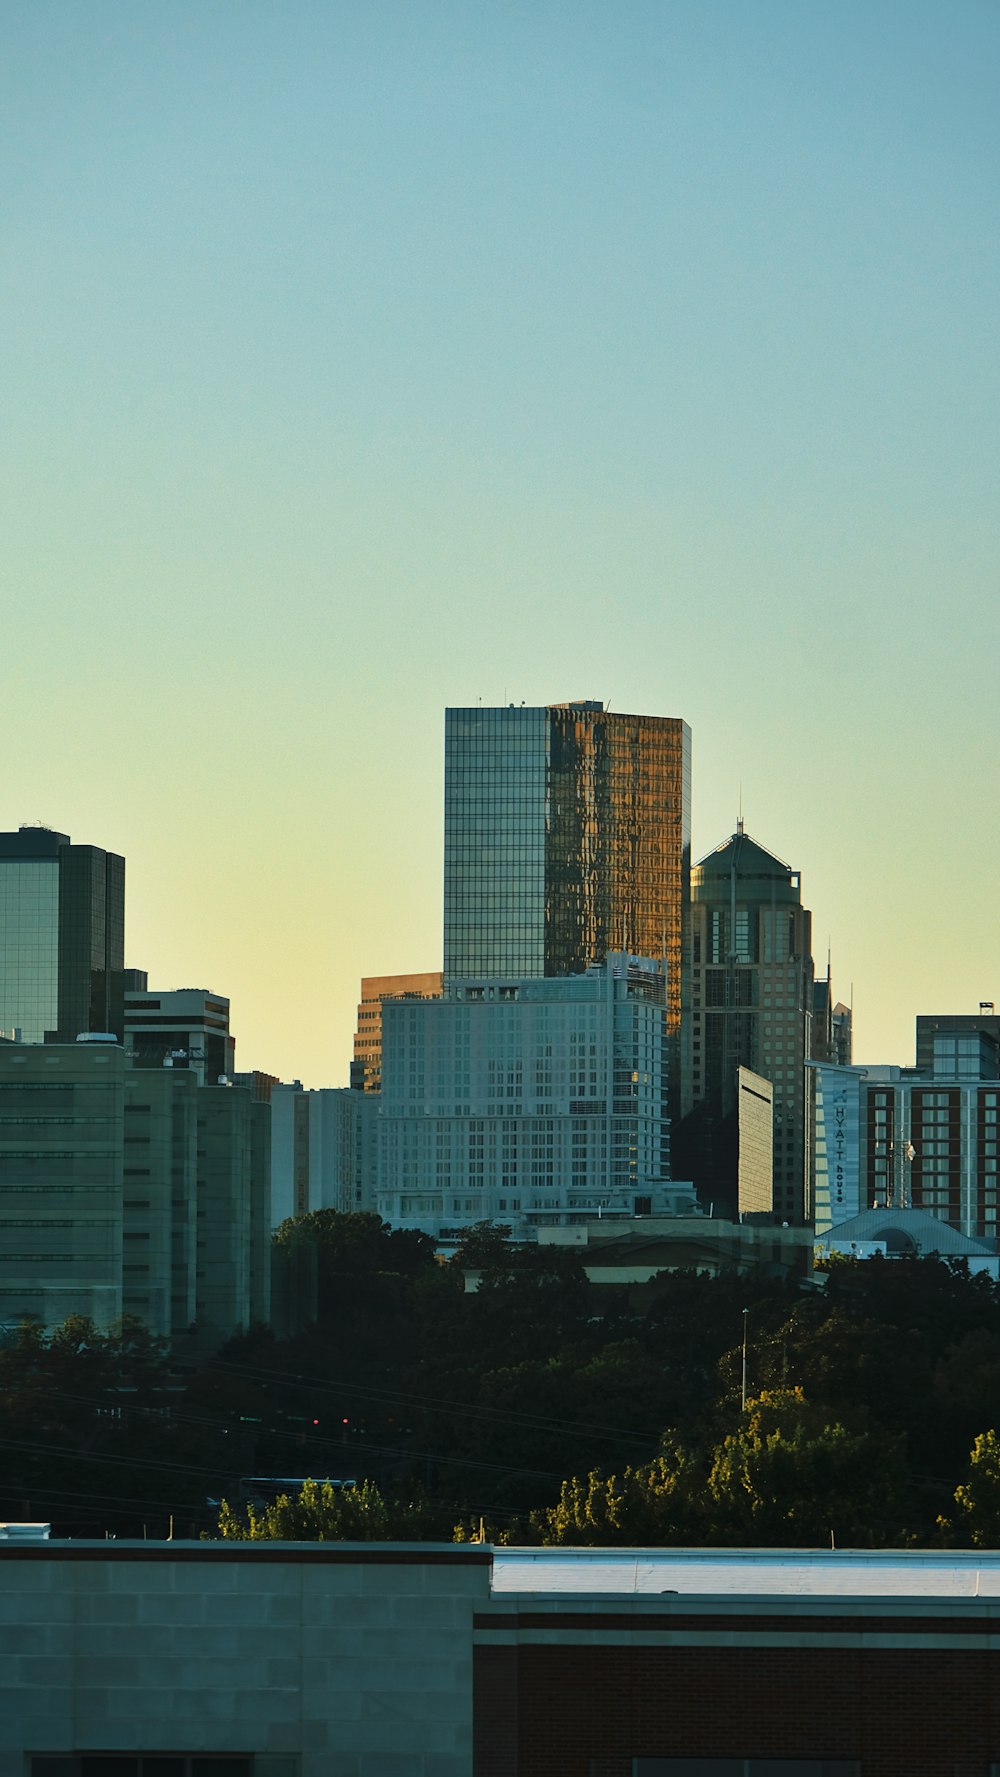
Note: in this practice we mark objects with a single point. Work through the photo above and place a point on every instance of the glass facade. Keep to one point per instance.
(62, 937)
(29, 948)
(495, 808)
(567, 836)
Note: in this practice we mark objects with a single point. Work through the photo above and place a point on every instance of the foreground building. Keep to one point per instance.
(430, 1660)
(567, 834)
(528, 1101)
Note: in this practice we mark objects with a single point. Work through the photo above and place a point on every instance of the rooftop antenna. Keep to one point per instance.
(739, 818)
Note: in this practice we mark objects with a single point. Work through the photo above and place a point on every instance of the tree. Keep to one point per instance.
(322, 1513)
(483, 1246)
(977, 1498)
(789, 1476)
(654, 1504)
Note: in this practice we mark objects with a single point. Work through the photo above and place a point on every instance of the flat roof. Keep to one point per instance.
(780, 1573)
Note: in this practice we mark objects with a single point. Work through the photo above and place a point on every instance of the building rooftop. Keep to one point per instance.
(757, 1573)
(750, 858)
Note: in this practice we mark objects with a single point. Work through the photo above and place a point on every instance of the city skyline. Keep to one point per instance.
(361, 363)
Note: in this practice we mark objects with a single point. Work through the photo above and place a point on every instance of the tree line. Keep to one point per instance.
(536, 1408)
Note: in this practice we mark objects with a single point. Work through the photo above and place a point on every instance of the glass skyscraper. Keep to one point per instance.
(567, 836)
(62, 937)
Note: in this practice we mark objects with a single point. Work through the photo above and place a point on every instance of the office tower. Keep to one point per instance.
(751, 1006)
(567, 836)
(187, 1027)
(62, 937)
(524, 1100)
(160, 1198)
(366, 1067)
(61, 1162)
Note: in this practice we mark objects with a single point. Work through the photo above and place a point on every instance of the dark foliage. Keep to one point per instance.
(866, 1397)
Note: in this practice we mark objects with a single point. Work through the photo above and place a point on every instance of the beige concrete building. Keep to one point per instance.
(755, 1139)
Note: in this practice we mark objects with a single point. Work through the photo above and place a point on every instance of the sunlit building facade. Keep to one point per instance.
(567, 836)
(62, 937)
(366, 1066)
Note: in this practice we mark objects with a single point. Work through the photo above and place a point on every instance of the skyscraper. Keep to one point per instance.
(62, 937)
(567, 836)
(751, 1007)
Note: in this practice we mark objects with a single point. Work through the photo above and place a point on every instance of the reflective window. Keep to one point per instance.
(29, 947)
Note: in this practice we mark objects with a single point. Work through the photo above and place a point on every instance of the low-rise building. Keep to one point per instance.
(143, 1659)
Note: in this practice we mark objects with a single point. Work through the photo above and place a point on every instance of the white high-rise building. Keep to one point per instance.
(538, 1101)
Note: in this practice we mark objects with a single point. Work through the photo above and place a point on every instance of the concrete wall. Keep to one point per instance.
(346, 1661)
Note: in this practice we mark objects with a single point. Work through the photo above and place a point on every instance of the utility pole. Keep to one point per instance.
(743, 1389)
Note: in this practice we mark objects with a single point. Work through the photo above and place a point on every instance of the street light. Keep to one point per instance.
(743, 1390)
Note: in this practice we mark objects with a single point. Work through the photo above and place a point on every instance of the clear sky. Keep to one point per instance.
(362, 359)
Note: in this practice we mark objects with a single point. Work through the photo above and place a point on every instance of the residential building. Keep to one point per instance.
(186, 1027)
(751, 1005)
(366, 1067)
(567, 837)
(62, 937)
(906, 1138)
(441, 1660)
(526, 1100)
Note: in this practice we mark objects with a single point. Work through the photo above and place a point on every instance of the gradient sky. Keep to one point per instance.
(362, 359)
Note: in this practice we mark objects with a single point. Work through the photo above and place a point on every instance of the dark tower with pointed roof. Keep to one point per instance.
(751, 996)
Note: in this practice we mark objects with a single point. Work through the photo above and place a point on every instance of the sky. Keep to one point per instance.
(362, 360)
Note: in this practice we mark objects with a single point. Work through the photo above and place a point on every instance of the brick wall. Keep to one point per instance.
(550, 1711)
